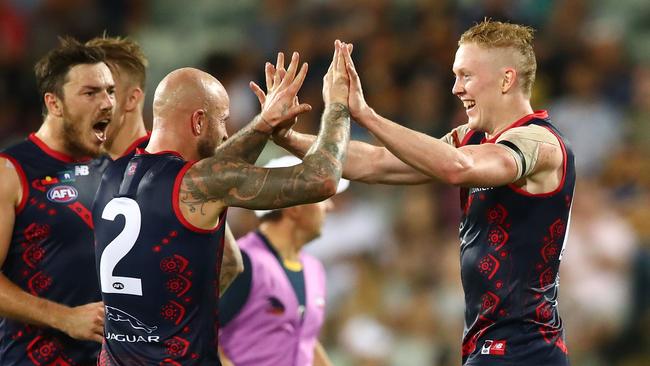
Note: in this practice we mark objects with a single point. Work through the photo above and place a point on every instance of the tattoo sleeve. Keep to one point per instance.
(234, 182)
(247, 144)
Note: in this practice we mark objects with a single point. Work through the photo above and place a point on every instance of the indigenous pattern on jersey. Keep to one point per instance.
(511, 245)
(158, 273)
(51, 254)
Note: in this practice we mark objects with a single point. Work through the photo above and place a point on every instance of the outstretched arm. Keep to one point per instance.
(81, 322)
(485, 165)
(237, 183)
(217, 182)
(364, 163)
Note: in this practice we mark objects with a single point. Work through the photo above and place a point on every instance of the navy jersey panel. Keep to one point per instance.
(170, 318)
(51, 254)
(511, 247)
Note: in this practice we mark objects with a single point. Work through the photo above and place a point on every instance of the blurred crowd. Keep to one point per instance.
(391, 253)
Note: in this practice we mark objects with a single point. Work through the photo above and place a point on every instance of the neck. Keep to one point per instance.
(165, 138)
(517, 109)
(284, 238)
(131, 130)
(51, 134)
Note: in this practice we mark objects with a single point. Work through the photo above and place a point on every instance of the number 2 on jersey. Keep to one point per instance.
(120, 247)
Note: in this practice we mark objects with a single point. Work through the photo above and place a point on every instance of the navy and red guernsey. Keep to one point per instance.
(511, 245)
(158, 273)
(51, 254)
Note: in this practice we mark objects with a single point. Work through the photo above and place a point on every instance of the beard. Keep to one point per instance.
(73, 138)
(206, 147)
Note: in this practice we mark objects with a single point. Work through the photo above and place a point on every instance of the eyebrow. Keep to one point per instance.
(96, 88)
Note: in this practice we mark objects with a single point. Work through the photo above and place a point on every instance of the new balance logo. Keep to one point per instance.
(491, 347)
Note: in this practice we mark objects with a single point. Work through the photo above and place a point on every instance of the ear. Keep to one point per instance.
(135, 96)
(53, 104)
(509, 77)
(198, 122)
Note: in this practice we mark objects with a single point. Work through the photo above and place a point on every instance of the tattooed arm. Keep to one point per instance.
(214, 183)
(232, 264)
(247, 143)
(217, 182)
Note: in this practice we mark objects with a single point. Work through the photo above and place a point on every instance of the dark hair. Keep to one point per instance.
(52, 70)
(124, 53)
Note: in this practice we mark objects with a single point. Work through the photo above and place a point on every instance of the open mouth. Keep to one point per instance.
(100, 129)
(469, 105)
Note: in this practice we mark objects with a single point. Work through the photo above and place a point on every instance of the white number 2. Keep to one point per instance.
(119, 247)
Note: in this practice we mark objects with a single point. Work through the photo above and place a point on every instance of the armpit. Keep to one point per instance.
(524, 143)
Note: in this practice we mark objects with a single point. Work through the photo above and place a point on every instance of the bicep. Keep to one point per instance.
(486, 165)
(10, 193)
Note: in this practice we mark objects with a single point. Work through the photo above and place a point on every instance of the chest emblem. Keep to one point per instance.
(274, 306)
(62, 194)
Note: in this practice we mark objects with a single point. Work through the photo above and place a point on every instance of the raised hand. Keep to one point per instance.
(359, 109)
(336, 83)
(278, 105)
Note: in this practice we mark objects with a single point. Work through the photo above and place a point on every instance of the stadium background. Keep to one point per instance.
(391, 253)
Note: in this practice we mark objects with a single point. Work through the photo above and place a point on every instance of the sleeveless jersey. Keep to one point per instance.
(271, 328)
(51, 254)
(158, 273)
(511, 246)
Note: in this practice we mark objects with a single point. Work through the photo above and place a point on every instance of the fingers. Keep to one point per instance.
(337, 54)
(269, 73)
(329, 70)
(291, 71)
(258, 92)
(340, 60)
(97, 337)
(299, 109)
(352, 72)
(300, 78)
(279, 65)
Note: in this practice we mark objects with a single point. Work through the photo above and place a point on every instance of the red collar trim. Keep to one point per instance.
(135, 144)
(55, 154)
(541, 114)
(141, 151)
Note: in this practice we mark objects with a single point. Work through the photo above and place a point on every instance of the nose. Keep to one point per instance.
(458, 87)
(108, 101)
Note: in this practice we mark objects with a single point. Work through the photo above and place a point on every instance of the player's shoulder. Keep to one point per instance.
(530, 132)
(12, 178)
(457, 135)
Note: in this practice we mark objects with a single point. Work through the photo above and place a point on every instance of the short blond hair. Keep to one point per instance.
(494, 34)
(125, 54)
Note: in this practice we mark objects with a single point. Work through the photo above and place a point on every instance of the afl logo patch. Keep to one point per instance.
(62, 194)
